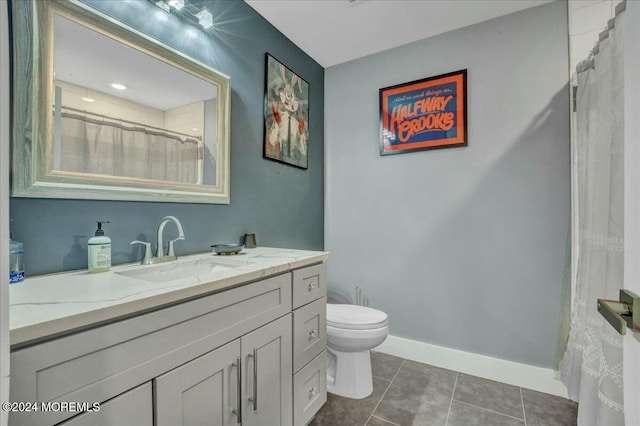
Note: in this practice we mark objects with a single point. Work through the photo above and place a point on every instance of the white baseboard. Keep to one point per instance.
(513, 373)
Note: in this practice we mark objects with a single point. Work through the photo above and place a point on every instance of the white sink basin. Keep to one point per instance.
(177, 270)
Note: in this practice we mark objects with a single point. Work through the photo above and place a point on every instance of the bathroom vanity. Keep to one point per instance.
(236, 340)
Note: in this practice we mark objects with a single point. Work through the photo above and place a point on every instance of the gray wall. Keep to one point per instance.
(462, 247)
(283, 205)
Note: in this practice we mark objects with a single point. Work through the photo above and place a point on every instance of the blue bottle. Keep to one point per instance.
(16, 263)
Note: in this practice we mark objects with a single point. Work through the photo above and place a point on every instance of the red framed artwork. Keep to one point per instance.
(424, 114)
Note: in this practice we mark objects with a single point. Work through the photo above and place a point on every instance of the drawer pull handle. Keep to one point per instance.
(313, 392)
(238, 410)
(254, 399)
(313, 334)
(310, 287)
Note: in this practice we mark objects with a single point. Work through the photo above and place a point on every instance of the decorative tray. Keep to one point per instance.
(226, 249)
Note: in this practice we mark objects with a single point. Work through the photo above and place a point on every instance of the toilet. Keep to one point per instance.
(352, 331)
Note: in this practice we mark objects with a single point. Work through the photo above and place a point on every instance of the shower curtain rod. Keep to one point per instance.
(198, 138)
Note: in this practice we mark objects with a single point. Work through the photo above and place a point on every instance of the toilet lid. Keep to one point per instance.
(355, 317)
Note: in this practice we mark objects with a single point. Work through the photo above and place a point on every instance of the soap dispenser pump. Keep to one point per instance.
(99, 251)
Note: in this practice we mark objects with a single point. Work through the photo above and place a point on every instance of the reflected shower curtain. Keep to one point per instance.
(103, 148)
(592, 364)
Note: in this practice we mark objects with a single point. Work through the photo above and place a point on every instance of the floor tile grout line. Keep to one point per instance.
(487, 409)
(385, 391)
(524, 414)
(453, 393)
(382, 378)
(383, 419)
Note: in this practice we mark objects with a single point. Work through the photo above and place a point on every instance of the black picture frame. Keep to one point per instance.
(425, 114)
(286, 115)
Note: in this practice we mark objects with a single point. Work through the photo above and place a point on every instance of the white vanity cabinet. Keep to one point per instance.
(134, 407)
(201, 391)
(213, 390)
(266, 383)
(309, 342)
(206, 360)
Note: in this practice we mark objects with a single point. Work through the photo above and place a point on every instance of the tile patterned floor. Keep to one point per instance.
(407, 393)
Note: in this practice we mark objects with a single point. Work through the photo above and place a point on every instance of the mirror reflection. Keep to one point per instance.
(146, 120)
(105, 112)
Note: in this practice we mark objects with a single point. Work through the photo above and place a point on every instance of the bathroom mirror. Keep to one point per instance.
(102, 111)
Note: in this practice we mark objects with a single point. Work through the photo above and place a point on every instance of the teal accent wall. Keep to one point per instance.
(283, 205)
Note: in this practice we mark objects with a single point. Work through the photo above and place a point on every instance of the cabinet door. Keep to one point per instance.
(202, 392)
(133, 408)
(310, 390)
(267, 383)
(309, 332)
(309, 284)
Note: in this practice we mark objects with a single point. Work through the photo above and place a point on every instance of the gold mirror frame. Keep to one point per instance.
(32, 173)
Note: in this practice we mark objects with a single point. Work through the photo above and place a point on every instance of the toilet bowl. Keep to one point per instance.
(351, 332)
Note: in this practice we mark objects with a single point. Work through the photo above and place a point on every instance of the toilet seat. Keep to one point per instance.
(354, 317)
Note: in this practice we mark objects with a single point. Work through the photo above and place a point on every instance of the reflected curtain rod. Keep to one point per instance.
(199, 138)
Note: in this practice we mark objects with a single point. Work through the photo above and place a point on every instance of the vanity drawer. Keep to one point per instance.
(131, 408)
(309, 332)
(103, 362)
(309, 284)
(310, 390)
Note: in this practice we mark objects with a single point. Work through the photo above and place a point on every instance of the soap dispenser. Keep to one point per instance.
(99, 251)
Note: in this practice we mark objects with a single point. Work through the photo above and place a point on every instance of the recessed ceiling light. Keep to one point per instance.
(88, 99)
(119, 86)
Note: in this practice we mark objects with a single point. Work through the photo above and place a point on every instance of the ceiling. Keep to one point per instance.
(330, 31)
(337, 31)
(80, 58)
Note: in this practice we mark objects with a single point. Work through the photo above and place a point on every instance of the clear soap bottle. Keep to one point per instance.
(16, 263)
(99, 248)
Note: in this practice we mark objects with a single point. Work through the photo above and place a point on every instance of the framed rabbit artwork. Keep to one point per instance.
(286, 115)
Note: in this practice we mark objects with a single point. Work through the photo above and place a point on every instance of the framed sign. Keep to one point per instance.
(424, 114)
(286, 115)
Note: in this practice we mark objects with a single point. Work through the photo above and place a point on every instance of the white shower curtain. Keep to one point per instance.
(592, 364)
(104, 148)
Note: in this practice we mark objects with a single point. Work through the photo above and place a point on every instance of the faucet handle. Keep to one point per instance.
(171, 252)
(147, 251)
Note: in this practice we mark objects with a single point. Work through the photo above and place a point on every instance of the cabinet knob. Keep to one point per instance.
(310, 287)
(313, 334)
(313, 392)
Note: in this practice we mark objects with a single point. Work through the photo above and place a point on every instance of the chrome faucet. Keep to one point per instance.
(170, 253)
(160, 254)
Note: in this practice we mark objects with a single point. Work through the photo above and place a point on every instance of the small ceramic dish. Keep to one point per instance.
(225, 249)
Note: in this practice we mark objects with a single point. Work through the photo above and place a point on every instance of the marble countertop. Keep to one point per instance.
(47, 305)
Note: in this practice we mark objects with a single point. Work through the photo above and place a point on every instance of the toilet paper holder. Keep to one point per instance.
(361, 300)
